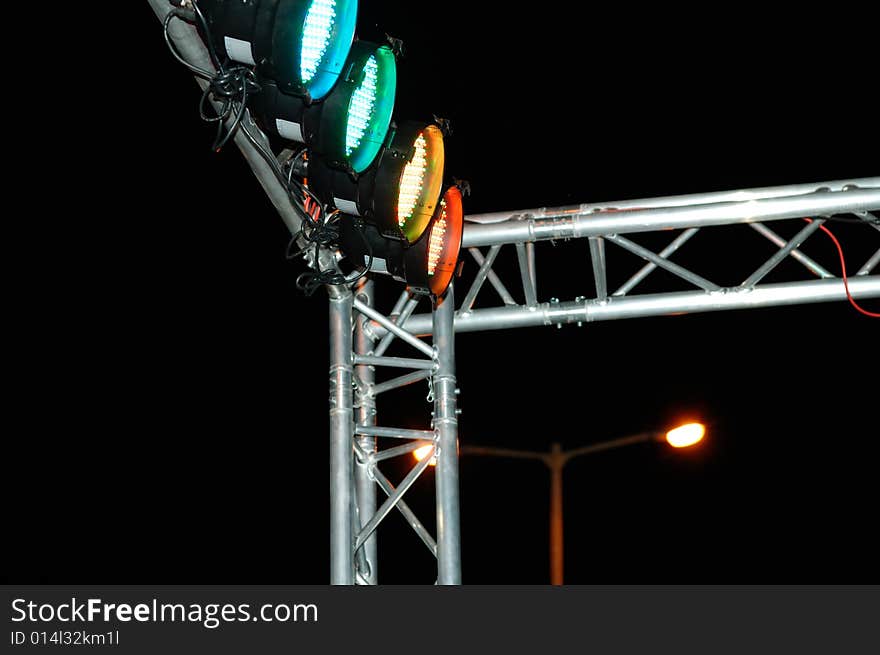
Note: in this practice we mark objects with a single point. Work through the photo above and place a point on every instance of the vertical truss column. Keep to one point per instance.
(446, 426)
(365, 487)
(341, 435)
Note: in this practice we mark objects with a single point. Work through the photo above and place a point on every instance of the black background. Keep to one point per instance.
(168, 387)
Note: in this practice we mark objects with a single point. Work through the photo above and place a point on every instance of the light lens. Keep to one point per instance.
(317, 29)
(420, 183)
(360, 110)
(370, 108)
(444, 241)
(322, 41)
(435, 243)
(412, 181)
(686, 435)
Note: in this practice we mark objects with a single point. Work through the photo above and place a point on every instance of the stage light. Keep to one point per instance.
(300, 44)
(399, 192)
(349, 127)
(427, 266)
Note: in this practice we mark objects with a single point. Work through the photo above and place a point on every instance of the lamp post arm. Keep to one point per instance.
(641, 437)
(503, 452)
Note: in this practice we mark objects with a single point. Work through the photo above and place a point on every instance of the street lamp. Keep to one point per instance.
(682, 436)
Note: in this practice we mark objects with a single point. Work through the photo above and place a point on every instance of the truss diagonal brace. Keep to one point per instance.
(493, 277)
(390, 502)
(482, 274)
(398, 331)
(782, 253)
(807, 261)
(869, 266)
(655, 259)
(648, 268)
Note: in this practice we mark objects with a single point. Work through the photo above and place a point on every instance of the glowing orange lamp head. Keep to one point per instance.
(686, 435)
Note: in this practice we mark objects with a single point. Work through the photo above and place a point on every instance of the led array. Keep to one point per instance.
(411, 181)
(316, 36)
(360, 108)
(435, 245)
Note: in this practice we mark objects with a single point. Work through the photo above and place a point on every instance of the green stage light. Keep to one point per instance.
(350, 125)
(300, 44)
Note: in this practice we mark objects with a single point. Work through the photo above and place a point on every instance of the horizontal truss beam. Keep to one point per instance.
(593, 220)
(768, 295)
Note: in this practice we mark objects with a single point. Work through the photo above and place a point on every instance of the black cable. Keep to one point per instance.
(310, 281)
(230, 87)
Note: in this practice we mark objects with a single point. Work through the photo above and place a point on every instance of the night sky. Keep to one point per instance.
(174, 393)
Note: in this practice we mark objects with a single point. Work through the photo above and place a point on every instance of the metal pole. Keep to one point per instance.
(394, 433)
(736, 195)
(366, 415)
(556, 462)
(660, 304)
(341, 434)
(576, 223)
(446, 425)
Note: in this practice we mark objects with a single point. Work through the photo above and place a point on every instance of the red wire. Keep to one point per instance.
(843, 269)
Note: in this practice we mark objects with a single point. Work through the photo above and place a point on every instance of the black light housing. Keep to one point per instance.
(301, 44)
(426, 266)
(349, 127)
(399, 193)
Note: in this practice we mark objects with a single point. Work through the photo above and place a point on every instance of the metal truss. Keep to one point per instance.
(603, 224)
(360, 334)
(355, 437)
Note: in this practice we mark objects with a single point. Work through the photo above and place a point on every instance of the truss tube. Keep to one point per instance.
(525, 271)
(712, 197)
(769, 295)
(408, 514)
(398, 331)
(573, 223)
(493, 278)
(648, 268)
(446, 425)
(597, 256)
(663, 263)
(869, 266)
(341, 434)
(777, 240)
(484, 270)
(782, 253)
(401, 381)
(397, 451)
(408, 308)
(365, 488)
(396, 433)
(391, 501)
(395, 362)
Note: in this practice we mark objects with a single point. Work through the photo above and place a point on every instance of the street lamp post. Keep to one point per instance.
(556, 459)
